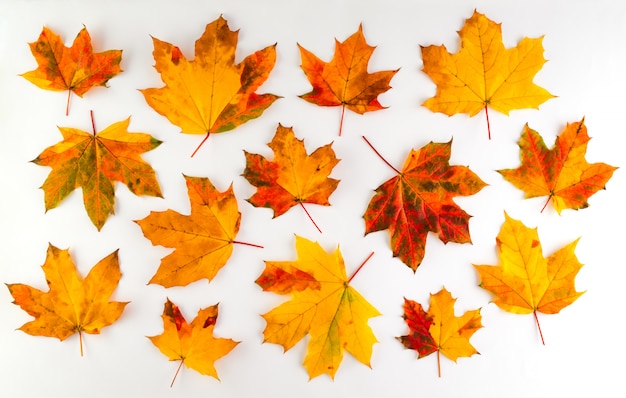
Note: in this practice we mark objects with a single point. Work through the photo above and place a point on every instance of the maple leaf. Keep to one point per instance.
(525, 281)
(76, 68)
(323, 304)
(344, 81)
(203, 240)
(484, 74)
(94, 162)
(439, 330)
(210, 94)
(293, 178)
(193, 344)
(561, 173)
(72, 304)
(419, 200)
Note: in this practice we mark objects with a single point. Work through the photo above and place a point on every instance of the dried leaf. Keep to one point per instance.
(323, 305)
(76, 68)
(193, 344)
(561, 173)
(72, 304)
(94, 162)
(484, 74)
(210, 94)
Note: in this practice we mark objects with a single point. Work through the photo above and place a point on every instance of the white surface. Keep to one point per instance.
(584, 343)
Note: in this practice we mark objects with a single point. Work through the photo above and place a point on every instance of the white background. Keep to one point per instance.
(584, 43)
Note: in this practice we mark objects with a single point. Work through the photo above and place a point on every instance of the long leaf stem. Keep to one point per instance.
(539, 327)
(247, 244)
(67, 106)
(439, 363)
(93, 123)
(310, 218)
(343, 111)
(177, 370)
(203, 141)
(360, 266)
(380, 156)
(488, 125)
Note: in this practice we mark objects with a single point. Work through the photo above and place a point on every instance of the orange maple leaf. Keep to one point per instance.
(419, 199)
(72, 304)
(210, 94)
(76, 68)
(439, 330)
(94, 162)
(344, 81)
(323, 305)
(293, 178)
(193, 344)
(203, 240)
(525, 281)
(561, 173)
(484, 74)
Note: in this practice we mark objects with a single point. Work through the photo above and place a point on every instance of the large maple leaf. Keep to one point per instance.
(439, 330)
(94, 162)
(525, 281)
(484, 74)
(561, 173)
(323, 305)
(293, 177)
(419, 200)
(76, 68)
(193, 344)
(72, 304)
(210, 94)
(203, 240)
(344, 81)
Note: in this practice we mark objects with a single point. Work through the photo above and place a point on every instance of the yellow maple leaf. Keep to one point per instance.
(525, 281)
(210, 94)
(193, 344)
(484, 74)
(72, 304)
(322, 304)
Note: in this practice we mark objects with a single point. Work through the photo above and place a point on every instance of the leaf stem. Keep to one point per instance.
(439, 363)
(539, 327)
(67, 106)
(488, 125)
(546, 204)
(93, 123)
(360, 266)
(380, 156)
(247, 244)
(310, 218)
(343, 111)
(80, 339)
(177, 370)
(203, 141)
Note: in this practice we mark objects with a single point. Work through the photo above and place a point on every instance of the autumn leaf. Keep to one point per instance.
(561, 173)
(76, 68)
(439, 330)
(94, 162)
(484, 74)
(419, 200)
(210, 94)
(323, 305)
(203, 240)
(344, 81)
(293, 177)
(193, 344)
(525, 281)
(72, 304)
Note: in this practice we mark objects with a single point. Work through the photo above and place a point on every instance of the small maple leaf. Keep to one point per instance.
(293, 178)
(210, 94)
(484, 74)
(439, 330)
(94, 162)
(323, 304)
(203, 240)
(525, 281)
(193, 344)
(344, 81)
(76, 68)
(419, 200)
(72, 304)
(561, 173)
